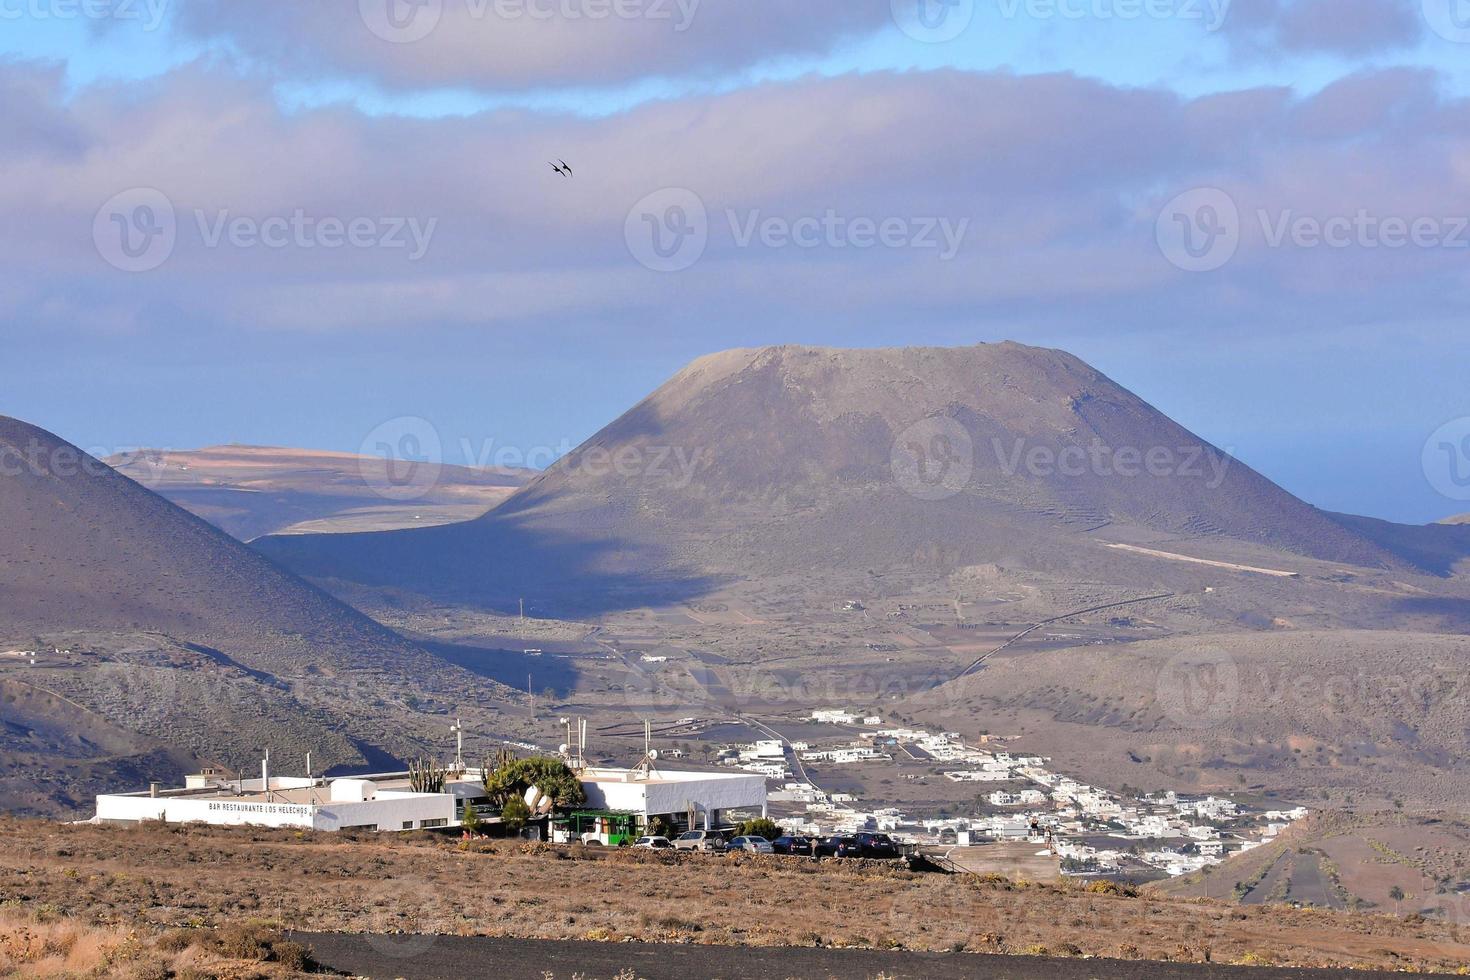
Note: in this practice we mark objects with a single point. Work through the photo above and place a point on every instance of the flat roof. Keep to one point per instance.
(320, 794)
(630, 777)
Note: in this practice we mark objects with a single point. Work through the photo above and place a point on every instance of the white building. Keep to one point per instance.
(660, 792)
(834, 716)
(1026, 797)
(980, 776)
(844, 756)
(766, 749)
(367, 803)
(387, 802)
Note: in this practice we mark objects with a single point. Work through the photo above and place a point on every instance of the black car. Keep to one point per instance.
(877, 846)
(791, 844)
(840, 846)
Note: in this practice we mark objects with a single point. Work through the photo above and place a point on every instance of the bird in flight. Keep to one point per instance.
(564, 169)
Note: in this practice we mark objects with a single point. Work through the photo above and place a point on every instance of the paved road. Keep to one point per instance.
(457, 958)
(797, 767)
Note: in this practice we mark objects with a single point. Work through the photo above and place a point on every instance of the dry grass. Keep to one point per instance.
(39, 942)
(151, 879)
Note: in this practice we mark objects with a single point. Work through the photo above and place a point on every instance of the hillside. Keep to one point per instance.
(248, 491)
(160, 640)
(819, 465)
(1357, 862)
(1357, 718)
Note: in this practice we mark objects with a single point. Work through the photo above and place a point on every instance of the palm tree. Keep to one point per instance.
(1397, 894)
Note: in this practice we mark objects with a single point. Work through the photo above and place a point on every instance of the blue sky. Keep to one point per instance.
(1057, 140)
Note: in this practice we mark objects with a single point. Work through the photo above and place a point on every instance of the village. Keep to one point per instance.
(1093, 831)
(1020, 808)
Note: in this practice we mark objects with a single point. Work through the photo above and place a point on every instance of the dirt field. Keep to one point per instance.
(156, 878)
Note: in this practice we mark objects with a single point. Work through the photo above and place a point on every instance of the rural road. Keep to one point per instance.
(458, 957)
(1057, 619)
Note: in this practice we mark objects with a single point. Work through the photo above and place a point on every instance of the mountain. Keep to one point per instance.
(1436, 548)
(796, 466)
(136, 637)
(248, 491)
(1458, 519)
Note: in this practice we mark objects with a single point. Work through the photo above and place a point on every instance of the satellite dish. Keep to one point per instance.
(562, 748)
(653, 753)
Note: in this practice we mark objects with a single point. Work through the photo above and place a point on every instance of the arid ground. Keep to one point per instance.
(157, 878)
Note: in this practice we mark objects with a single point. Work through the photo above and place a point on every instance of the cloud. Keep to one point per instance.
(825, 201)
(521, 44)
(1351, 28)
(28, 101)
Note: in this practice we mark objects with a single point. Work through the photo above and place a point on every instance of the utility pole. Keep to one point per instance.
(531, 693)
(523, 610)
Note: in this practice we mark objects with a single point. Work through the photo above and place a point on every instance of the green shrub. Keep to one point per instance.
(515, 814)
(759, 827)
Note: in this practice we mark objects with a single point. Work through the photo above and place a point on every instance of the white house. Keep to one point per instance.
(766, 749)
(834, 716)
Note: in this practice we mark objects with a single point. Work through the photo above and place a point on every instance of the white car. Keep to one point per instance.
(699, 840)
(759, 845)
(654, 843)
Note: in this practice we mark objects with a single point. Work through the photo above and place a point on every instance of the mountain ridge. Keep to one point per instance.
(147, 621)
(805, 454)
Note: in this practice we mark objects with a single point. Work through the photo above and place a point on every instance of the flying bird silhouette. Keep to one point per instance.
(566, 167)
(559, 170)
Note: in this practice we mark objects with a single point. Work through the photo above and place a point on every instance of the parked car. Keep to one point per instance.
(877, 846)
(793, 844)
(840, 845)
(699, 840)
(758, 845)
(654, 843)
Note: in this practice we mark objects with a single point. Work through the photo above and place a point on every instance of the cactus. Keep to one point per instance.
(426, 776)
(503, 758)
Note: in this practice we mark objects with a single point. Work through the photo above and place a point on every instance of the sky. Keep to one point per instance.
(311, 223)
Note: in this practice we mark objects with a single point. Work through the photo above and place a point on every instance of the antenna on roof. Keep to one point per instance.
(645, 765)
(458, 729)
